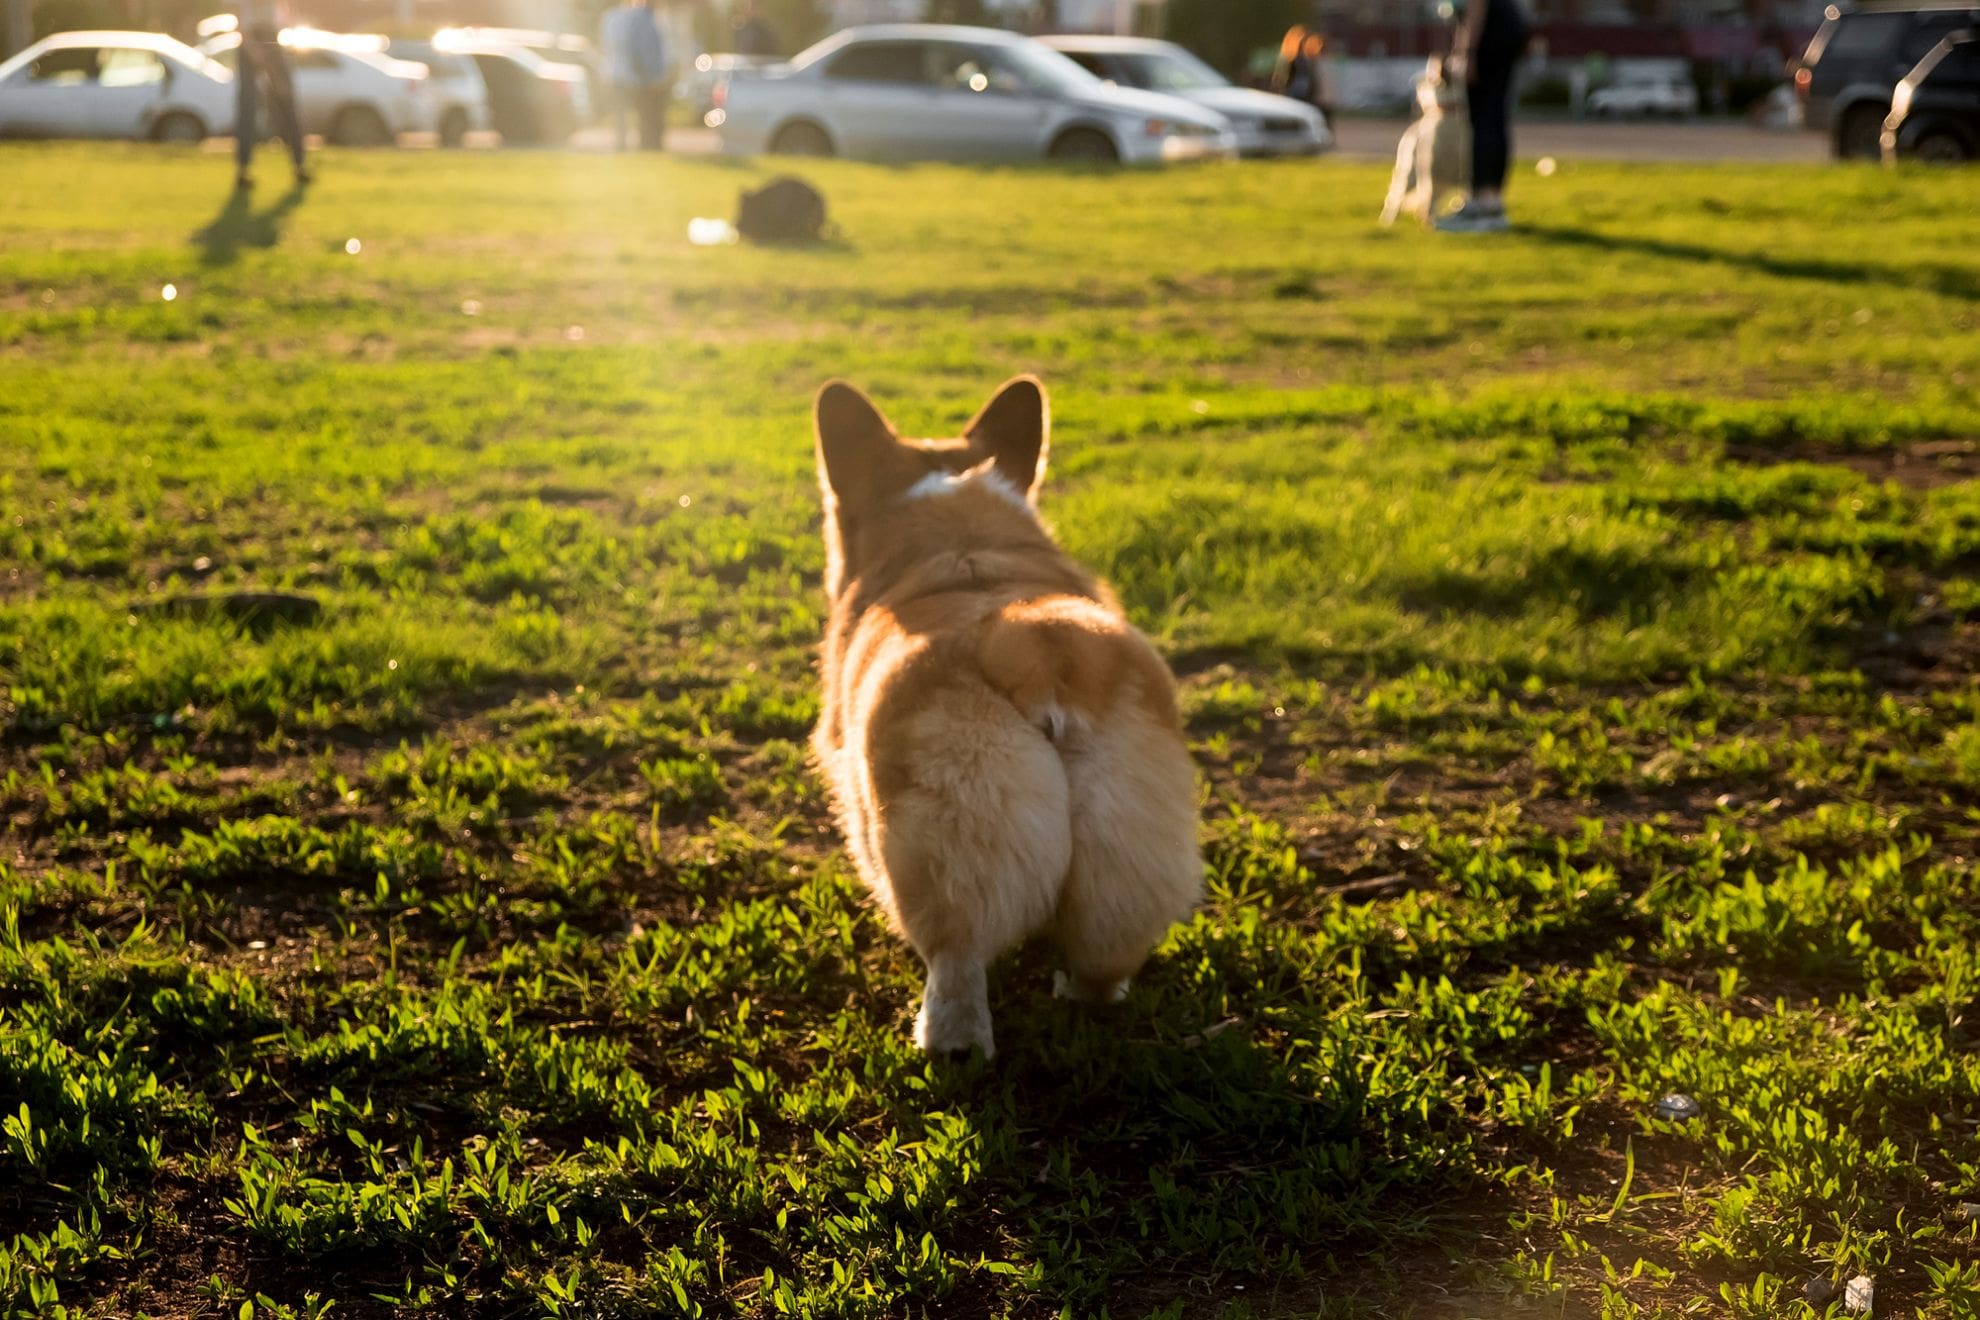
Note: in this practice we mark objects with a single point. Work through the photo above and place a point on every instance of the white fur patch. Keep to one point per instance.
(937, 484)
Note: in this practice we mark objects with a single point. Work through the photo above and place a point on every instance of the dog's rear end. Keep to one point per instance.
(1004, 749)
(1099, 693)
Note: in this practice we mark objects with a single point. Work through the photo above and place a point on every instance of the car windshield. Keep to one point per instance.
(1044, 69)
(1171, 71)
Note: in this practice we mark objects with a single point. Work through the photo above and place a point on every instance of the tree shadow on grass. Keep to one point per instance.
(1952, 281)
(239, 225)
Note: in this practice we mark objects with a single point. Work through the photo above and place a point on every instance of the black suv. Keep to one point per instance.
(1935, 111)
(1859, 55)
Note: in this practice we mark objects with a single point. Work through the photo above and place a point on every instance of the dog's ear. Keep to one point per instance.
(1014, 430)
(855, 443)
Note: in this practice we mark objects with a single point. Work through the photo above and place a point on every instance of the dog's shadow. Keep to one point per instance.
(1148, 1147)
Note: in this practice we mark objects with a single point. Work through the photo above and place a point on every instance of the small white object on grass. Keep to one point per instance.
(709, 231)
(352, 247)
(574, 333)
(169, 292)
(1546, 166)
(471, 307)
(1859, 1293)
(1679, 1107)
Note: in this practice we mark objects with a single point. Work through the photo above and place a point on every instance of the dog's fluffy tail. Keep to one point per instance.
(1096, 688)
(1061, 661)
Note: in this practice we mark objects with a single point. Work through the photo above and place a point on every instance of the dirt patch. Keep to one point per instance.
(1925, 465)
(1936, 655)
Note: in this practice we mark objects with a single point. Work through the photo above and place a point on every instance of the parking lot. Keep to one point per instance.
(1691, 140)
(1367, 139)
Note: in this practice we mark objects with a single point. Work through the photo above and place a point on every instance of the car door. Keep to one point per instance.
(130, 82)
(875, 101)
(322, 86)
(51, 96)
(985, 109)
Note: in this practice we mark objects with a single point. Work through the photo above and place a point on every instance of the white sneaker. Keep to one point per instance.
(1472, 218)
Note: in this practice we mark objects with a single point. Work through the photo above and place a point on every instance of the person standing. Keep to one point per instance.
(636, 69)
(1291, 74)
(1490, 41)
(261, 69)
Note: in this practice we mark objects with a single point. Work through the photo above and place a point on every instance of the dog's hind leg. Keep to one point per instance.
(1400, 181)
(974, 838)
(1135, 870)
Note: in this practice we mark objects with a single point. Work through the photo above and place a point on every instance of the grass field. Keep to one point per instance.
(1577, 632)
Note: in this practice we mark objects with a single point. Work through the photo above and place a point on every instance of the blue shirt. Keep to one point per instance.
(635, 52)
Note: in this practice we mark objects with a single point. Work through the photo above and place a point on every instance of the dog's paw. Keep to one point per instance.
(954, 1025)
(1065, 986)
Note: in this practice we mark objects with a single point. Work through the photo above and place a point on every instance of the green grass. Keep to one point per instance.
(1577, 632)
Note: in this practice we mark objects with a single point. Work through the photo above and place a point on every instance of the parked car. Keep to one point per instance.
(531, 101)
(460, 96)
(346, 91)
(1676, 98)
(1935, 111)
(1846, 76)
(1265, 124)
(555, 47)
(697, 89)
(924, 91)
(114, 85)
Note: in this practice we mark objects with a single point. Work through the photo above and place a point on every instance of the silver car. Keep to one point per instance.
(917, 91)
(114, 85)
(1266, 124)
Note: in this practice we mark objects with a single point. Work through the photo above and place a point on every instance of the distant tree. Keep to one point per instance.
(1226, 32)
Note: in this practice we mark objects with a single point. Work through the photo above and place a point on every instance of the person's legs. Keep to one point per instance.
(653, 117)
(1490, 97)
(282, 107)
(245, 78)
(620, 100)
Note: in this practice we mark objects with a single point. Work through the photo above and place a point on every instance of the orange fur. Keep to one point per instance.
(1003, 749)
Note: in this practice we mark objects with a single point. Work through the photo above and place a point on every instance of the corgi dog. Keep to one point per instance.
(1433, 160)
(1004, 751)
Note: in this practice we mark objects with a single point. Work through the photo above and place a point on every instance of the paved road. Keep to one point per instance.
(1375, 139)
(1570, 140)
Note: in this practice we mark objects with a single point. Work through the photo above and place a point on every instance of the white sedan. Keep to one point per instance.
(921, 91)
(1676, 97)
(1266, 124)
(114, 85)
(346, 91)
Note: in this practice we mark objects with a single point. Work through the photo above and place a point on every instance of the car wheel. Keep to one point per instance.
(453, 127)
(178, 126)
(1860, 135)
(360, 126)
(801, 139)
(1940, 148)
(1087, 146)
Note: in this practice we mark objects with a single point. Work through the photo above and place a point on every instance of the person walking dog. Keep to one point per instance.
(1490, 41)
(262, 70)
